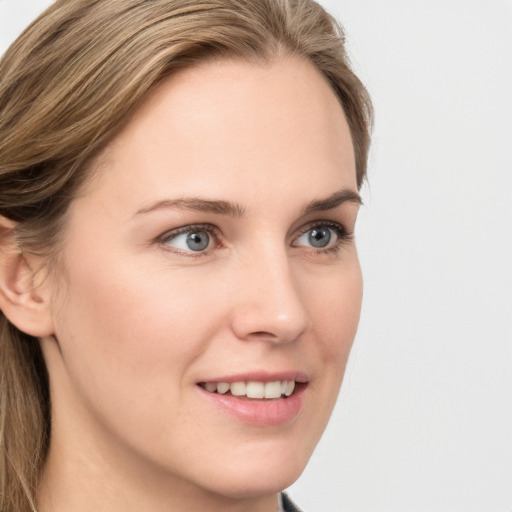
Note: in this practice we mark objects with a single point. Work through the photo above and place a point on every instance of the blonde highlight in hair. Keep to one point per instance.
(67, 85)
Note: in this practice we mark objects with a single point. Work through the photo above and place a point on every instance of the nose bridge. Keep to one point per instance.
(270, 304)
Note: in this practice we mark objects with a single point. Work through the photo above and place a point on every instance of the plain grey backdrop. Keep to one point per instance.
(424, 420)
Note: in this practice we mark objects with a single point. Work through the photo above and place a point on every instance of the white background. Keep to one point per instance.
(425, 417)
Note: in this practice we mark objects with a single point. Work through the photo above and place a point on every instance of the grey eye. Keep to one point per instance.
(319, 237)
(198, 241)
(193, 240)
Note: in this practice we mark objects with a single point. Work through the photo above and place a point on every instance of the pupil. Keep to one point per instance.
(198, 241)
(320, 237)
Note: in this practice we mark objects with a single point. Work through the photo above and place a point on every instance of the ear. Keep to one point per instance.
(22, 300)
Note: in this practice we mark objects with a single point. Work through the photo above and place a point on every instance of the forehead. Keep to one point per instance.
(233, 121)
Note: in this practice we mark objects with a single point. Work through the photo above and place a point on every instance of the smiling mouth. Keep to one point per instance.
(252, 389)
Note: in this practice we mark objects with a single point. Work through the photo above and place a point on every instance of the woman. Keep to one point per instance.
(179, 283)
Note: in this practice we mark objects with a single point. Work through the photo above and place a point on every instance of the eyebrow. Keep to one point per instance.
(220, 207)
(343, 196)
(198, 204)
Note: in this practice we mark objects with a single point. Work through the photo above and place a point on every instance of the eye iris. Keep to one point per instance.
(320, 237)
(198, 241)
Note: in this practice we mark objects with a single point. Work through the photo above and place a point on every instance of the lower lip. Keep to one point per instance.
(263, 413)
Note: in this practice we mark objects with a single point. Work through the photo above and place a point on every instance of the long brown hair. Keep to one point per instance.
(67, 84)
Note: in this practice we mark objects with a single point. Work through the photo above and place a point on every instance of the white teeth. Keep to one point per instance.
(289, 388)
(253, 389)
(238, 388)
(222, 387)
(273, 389)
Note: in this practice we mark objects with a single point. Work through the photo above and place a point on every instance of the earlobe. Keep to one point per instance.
(21, 301)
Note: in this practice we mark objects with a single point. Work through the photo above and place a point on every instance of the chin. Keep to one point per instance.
(255, 484)
(270, 470)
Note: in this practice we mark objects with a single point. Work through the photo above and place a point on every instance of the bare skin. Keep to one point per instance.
(256, 162)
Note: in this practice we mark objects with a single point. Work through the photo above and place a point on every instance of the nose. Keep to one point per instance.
(267, 303)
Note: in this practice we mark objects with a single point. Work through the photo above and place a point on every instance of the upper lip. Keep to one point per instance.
(261, 376)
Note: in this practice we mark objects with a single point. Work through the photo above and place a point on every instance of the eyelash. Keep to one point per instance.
(343, 237)
(208, 228)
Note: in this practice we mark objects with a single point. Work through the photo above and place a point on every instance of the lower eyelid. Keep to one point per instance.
(343, 236)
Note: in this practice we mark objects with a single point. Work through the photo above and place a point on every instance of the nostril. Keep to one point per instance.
(262, 334)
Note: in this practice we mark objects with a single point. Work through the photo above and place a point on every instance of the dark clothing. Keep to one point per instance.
(288, 505)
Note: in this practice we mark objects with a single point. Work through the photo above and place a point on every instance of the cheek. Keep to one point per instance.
(131, 328)
(335, 309)
(334, 305)
(134, 305)
(128, 339)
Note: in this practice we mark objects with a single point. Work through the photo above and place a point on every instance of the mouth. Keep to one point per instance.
(258, 398)
(253, 390)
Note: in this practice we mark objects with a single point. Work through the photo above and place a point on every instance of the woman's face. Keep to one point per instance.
(211, 250)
